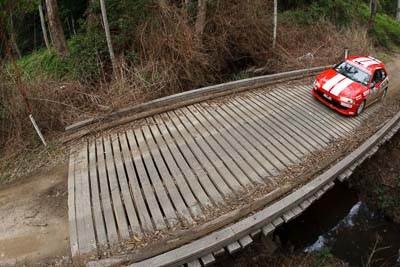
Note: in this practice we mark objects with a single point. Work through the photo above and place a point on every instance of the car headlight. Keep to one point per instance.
(316, 84)
(347, 100)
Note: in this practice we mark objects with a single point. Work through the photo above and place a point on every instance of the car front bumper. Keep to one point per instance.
(335, 104)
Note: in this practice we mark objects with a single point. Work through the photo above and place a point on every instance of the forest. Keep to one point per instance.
(78, 59)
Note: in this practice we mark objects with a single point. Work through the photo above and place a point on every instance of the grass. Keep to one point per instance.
(322, 257)
(44, 64)
(241, 76)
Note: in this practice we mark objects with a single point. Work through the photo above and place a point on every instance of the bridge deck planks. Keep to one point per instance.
(175, 166)
(233, 136)
(224, 138)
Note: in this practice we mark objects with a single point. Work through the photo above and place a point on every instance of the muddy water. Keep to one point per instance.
(338, 221)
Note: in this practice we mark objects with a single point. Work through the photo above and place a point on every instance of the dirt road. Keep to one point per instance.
(34, 215)
(34, 220)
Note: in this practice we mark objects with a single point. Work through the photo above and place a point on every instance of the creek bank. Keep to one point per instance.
(378, 179)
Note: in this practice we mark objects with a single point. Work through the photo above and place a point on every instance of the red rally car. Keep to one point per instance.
(352, 85)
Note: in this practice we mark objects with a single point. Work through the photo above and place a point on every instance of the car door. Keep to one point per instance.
(376, 84)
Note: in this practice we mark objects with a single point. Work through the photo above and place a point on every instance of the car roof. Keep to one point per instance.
(369, 63)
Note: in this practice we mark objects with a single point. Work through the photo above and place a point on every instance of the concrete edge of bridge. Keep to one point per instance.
(190, 97)
(271, 216)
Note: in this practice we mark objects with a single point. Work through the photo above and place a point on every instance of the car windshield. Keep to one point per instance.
(353, 73)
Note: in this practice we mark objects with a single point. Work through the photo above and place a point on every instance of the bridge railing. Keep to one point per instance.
(190, 97)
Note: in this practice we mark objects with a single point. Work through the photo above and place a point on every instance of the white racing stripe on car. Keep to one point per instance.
(341, 86)
(361, 59)
(329, 84)
(368, 63)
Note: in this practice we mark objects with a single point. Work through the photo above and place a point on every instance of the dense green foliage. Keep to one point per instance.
(346, 13)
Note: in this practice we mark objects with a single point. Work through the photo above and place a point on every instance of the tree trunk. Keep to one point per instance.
(14, 37)
(374, 9)
(275, 23)
(398, 10)
(108, 36)
(201, 17)
(91, 17)
(56, 29)
(43, 24)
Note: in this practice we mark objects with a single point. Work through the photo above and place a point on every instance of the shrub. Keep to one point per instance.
(44, 64)
(88, 56)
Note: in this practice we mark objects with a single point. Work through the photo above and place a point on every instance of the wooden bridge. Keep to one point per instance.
(171, 170)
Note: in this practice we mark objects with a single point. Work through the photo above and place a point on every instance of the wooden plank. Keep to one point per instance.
(195, 263)
(194, 156)
(119, 210)
(207, 156)
(344, 125)
(305, 204)
(319, 194)
(297, 211)
(321, 116)
(295, 147)
(148, 191)
(286, 145)
(166, 177)
(182, 184)
(256, 233)
(307, 103)
(278, 221)
(94, 186)
(269, 228)
(80, 222)
(288, 125)
(243, 136)
(88, 214)
(209, 152)
(240, 144)
(271, 120)
(286, 113)
(73, 232)
(233, 247)
(111, 227)
(152, 171)
(176, 157)
(138, 198)
(228, 155)
(208, 259)
(286, 156)
(219, 252)
(296, 105)
(123, 182)
(269, 151)
(245, 241)
(288, 215)
(231, 146)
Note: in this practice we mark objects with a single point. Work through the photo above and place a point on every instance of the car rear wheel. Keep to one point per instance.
(360, 108)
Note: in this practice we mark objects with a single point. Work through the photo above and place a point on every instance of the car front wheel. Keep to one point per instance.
(360, 108)
(383, 94)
